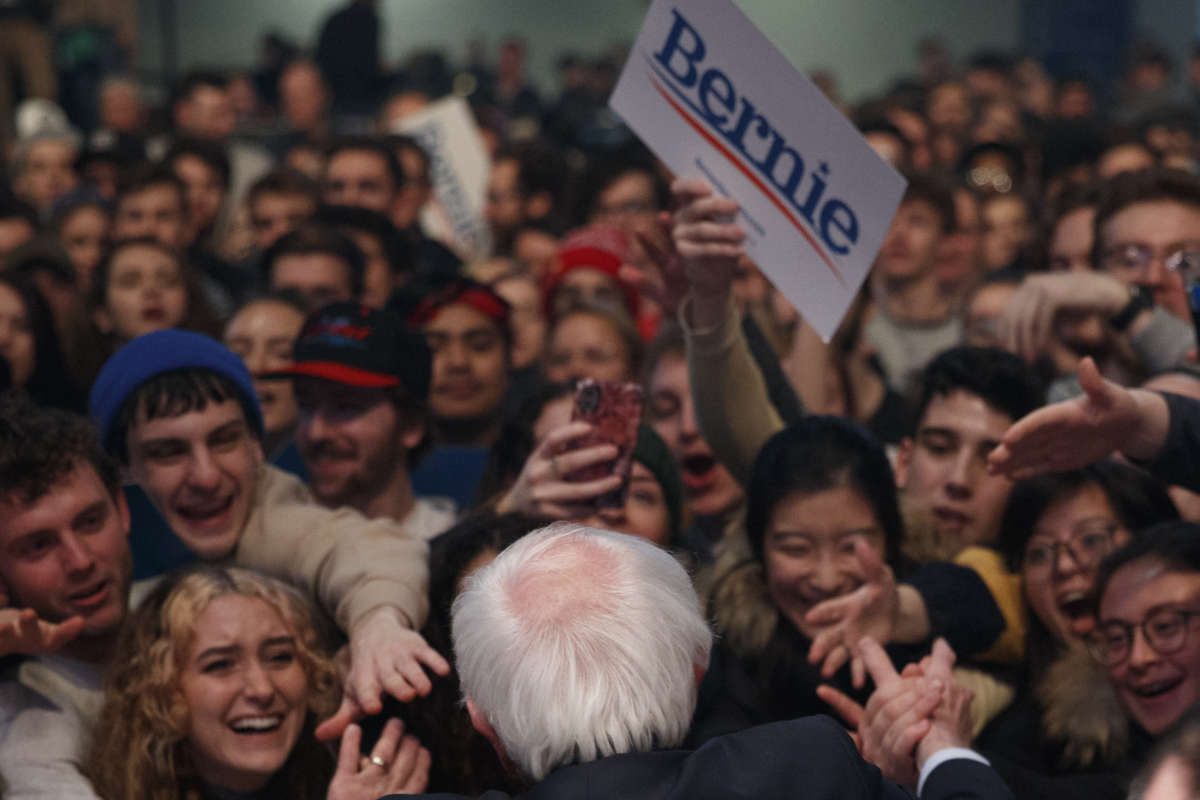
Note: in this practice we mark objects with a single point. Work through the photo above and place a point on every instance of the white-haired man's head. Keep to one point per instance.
(575, 644)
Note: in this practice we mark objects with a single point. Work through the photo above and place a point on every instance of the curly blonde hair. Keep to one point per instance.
(140, 746)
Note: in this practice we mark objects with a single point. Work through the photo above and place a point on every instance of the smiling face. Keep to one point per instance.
(200, 469)
(470, 365)
(1154, 688)
(246, 692)
(67, 554)
(809, 549)
(1059, 583)
(943, 469)
(353, 440)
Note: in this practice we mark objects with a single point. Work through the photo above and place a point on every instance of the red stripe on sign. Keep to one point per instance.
(700, 129)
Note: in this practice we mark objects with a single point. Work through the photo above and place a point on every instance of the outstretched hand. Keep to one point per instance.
(1083, 430)
(910, 715)
(398, 764)
(870, 610)
(385, 656)
(23, 632)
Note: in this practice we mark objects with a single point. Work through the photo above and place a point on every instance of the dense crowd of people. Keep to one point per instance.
(301, 498)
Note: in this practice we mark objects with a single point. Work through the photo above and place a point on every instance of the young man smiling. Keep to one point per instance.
(361, 379)
(178, 411)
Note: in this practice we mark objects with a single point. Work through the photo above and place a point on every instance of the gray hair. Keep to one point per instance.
(577, 643)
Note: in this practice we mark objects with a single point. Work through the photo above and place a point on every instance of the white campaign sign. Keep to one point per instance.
(459, 167)
(713, 98)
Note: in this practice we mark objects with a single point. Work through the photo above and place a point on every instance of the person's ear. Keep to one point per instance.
(903, 461)
(412, 436)
(480, 723)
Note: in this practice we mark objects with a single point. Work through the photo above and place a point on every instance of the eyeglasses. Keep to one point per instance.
(1165, 630)
(1088, 543)
(992, 179)
(1135, 259)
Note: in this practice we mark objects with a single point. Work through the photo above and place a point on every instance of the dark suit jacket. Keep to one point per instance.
(810, 758)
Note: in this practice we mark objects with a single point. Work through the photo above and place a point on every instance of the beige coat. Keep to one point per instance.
(349, 564)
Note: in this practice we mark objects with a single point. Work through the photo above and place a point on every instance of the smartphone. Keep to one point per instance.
(614, 411)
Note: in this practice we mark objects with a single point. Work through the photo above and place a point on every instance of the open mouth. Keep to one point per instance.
(91, 596)
(1157, 688)
(205, 512)
(252, 726)
(1075, 605)
(154, 315)
(950, 517)
(698, 471)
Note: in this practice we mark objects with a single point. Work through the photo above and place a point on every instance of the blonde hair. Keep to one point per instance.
(140, 745)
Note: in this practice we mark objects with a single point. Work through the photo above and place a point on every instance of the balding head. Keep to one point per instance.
(575, 644)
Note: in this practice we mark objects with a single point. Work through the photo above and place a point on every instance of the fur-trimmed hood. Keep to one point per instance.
(734, 590)
(1080, 710)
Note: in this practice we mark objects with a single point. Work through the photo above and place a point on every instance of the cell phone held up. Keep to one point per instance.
(614, 411)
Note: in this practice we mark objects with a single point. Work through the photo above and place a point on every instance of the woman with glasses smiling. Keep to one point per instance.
(1056, 531)
(1147, 633)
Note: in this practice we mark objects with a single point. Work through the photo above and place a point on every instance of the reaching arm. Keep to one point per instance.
(733, 406)
(1086, 429)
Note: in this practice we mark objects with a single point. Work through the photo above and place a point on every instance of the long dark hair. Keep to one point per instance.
(49, 384)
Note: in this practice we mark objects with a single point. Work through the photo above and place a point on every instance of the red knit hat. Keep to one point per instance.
(599, 247)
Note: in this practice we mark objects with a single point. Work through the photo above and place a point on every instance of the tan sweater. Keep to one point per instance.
(733, 408)
(349, 564)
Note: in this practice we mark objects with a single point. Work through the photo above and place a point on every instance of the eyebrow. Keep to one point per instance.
(229, 649)
(226, 427)
(94, 508)
(220, 650)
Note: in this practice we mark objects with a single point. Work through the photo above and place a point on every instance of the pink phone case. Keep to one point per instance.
(614, 410)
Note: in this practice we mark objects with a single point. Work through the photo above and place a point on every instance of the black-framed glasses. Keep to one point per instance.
(1135, 259)
(1089, 542)
(1165, 630)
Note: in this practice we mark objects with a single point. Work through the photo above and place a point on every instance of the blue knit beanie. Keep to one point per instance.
(165, 351)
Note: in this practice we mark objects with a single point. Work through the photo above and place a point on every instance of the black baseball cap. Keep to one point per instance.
(351, 344)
